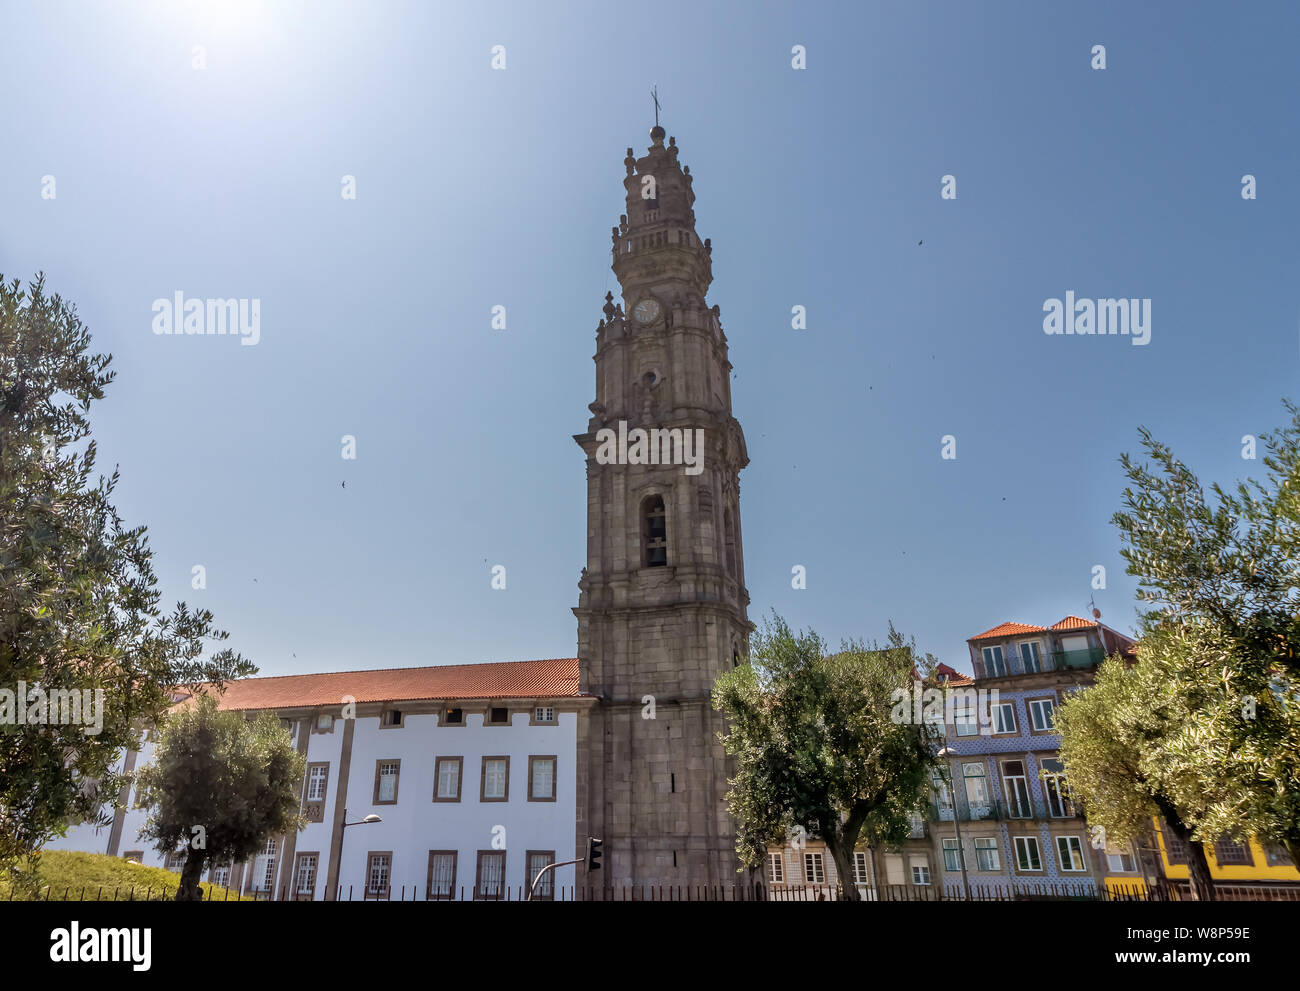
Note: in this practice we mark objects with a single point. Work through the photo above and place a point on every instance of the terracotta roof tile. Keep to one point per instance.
(552, 678)
(1073, 623)
(1008, 629)
(946, 674)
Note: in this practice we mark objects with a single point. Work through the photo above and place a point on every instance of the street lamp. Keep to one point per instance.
(945, 753)
(342, 836)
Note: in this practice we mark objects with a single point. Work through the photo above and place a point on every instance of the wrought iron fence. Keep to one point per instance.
(759, 892)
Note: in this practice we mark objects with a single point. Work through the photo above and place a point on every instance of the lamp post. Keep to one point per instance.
(945, 753)
(343, 835)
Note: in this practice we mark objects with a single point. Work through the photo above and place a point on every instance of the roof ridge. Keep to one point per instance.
(416, 667)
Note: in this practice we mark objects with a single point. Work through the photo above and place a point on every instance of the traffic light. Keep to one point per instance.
(593, 853)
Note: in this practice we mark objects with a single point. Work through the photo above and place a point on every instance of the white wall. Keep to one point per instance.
(417, 824)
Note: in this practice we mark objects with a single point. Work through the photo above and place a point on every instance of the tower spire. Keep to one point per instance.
(662, 605)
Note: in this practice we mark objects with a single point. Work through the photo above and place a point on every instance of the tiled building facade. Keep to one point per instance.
(1001, 783)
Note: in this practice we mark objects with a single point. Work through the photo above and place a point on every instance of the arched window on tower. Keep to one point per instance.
(729, 534)
(654, 532)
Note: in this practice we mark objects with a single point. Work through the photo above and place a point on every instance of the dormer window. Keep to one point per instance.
(654, 532)
(995, 665)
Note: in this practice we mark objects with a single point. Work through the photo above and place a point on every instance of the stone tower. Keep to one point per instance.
(662, 602)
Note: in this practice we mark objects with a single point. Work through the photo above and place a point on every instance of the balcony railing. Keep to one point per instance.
(1058, 660)
(1000, 809)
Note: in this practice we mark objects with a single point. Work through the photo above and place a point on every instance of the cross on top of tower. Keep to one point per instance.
(654, 95)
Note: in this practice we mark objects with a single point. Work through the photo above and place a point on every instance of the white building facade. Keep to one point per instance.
(470, 769)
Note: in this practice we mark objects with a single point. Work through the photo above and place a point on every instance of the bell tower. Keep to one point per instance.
(662, 601)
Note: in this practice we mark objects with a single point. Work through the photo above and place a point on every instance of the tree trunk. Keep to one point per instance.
(191, 873)
(1292, 845)
(1198, 868)
(877, 870)
(844, 868)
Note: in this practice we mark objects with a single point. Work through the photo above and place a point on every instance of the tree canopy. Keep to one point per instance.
(815, 745)
(219, 786)
(79, 603)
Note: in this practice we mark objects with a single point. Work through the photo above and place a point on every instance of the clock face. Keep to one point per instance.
(646, 310)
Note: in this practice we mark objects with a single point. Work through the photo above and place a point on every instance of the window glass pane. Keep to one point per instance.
(543, 779)
(494, 781)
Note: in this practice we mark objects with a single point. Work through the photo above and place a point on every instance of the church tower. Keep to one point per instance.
(662, 601)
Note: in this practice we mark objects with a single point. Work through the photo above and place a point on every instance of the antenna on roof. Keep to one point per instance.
(1096, 613)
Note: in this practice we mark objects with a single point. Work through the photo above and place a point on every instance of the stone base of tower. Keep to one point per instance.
(652, 795)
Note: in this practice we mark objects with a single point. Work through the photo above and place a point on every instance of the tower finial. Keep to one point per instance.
(654, 95)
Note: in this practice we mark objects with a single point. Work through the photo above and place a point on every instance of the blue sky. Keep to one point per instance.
(478, 187)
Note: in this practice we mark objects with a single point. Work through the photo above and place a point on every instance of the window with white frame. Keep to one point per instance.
(934, 723)
(1070, 849)
(977, 791)
(447, 775)
(995, 664)
(496, 771)
(942, 796)
(541, 779)
(305, 874)
(965, 718)
(442, 874)
(491, 874)
(317, 778)
(1028, 856)
(860, 875)
(920, 871)
(1004, 718)
(264, 866)
(175, 861)
(386, 776)
(951, 855)
(379, 868)
(776, 868)
(1016, 786)
(986, 854)
(814, 870)
(220, 875)
(1059, 805)
(544, 714)
(537, 861)
(1042, 713)
(1119, 858)
(1030, 657)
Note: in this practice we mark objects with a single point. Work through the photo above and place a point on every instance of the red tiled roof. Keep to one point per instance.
(947, 675)
(1074, 623)
(1008, 629)
(553, 678)
(950, 675)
